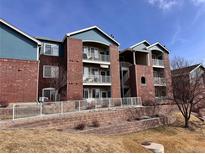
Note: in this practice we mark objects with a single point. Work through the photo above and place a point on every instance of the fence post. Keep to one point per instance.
(13, 112)
(61, 107)
(79, 106)
(109, 103)
(95, 104)
(131, 101)
(41, 110)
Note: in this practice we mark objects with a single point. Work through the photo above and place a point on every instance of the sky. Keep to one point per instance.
(177, 24)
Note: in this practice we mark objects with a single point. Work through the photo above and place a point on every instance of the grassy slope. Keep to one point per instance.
(175, 139)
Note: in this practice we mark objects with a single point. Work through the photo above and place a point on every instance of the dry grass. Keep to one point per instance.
(175, 139)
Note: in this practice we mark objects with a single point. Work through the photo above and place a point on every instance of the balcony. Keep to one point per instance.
(96, 58)
(97, 80)
(159, 81)
(158, 63)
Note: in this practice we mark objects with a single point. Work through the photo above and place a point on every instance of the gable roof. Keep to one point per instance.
(144, 41)
(186, 70)
(157, 43)
(19, 31)
(90, 28)
(47, 39)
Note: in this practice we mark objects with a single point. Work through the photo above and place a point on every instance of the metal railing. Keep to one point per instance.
(159, 81)
(98, 57)
(158, 62)
(126, 76)
(26, 110)
(125, 64)
(96, 79)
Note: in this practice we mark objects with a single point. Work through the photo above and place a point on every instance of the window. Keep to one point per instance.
(143, 80)
(51, 49)
(49, 93)
(85, 93)
(50, 71)
(95, 93)
(91, 53)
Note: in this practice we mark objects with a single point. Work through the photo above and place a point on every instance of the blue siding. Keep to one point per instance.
(93, 35)
(16, 46)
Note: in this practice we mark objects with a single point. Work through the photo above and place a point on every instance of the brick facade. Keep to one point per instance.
(168, 77)
(47, 82)
(115, 71)
(18, 80)
(145, 91)
(74, 69)
(114, 117)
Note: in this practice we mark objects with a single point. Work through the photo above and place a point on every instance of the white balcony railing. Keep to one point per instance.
(96, 79)
(157, 62)
(98, 57)
(159, 81)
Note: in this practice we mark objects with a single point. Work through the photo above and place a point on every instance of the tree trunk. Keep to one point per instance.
(186, 123)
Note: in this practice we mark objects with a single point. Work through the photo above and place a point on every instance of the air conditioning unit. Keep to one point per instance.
(43, 99)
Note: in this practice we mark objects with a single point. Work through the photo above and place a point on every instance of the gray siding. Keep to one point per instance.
(157, 47)
(16, 46)
(93, 35)
(140, 46)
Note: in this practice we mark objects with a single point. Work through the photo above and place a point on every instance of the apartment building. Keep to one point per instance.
(83, 65)
(89, 61)
(145, 71)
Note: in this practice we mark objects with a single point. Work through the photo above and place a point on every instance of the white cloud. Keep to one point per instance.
(198, 2)
(177, 36)
(164, 4)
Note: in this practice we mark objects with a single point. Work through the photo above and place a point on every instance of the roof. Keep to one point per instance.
(47, 39)
(19, 31)
(157, 43)
(144, 41)
(93, 27)
(185, 70)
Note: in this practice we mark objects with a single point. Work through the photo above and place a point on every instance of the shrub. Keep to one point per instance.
(104, 105)
(117, 103)
(95, 123)
(4, 104)
(80, 126)
(90, 106)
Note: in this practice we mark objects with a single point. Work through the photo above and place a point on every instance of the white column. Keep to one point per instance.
(13, 111)
(134, 58)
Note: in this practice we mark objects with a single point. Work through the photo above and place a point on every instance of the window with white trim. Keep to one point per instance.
(51, 49)
(86, 93)
(50, 71)
(50, 93)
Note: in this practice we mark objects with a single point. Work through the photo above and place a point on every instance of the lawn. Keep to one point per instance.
(174, 138)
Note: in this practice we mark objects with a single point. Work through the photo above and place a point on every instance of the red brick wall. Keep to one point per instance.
(74, 69)
(105, 117)
(47, 60)
(147, 91)
(18, 80)
(167, 72)
(133, 81)
(115, 71)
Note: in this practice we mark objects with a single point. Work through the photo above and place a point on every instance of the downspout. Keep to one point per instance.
(38, 59)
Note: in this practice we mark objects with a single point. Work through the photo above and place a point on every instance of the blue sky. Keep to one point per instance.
(178, 24)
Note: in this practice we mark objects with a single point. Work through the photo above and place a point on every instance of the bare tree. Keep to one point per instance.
(188, 88)
(60, 81)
